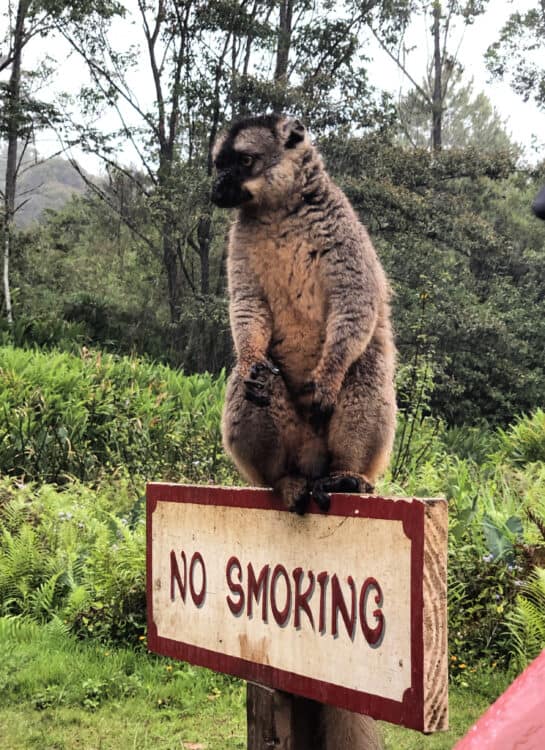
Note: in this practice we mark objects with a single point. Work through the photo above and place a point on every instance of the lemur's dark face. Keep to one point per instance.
(249, 161)
(234, 168)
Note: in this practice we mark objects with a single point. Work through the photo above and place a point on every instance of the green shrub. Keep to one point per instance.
(524, 441)
(65, 416)
(475, 443)
(481, 595)
(496, 524)
(46, 331)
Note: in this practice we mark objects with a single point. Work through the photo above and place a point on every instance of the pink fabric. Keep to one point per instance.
(516, 721)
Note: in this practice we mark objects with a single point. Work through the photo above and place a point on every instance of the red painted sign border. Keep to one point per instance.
(409, 711)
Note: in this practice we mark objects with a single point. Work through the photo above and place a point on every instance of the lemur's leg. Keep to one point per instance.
(269, 442)
(361, 430)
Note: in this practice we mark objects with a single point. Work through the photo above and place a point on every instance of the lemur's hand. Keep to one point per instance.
(320, 399)
(258, 382)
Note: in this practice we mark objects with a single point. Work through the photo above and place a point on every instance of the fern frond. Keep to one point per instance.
(526, 623)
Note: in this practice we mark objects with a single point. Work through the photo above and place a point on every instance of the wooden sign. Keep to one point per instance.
(346, 608)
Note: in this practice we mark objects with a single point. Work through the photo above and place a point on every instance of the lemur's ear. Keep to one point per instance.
(294, 131)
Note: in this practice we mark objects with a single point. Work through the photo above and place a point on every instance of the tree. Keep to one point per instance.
(455, 233)
(518, 54)
(390, 30)
(23, 114)
(11, 126)
(209, 63)
(469, 119)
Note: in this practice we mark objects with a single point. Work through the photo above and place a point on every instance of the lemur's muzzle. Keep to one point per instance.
(227, 192)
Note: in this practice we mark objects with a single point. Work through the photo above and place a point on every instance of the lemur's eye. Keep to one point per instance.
(246, 160)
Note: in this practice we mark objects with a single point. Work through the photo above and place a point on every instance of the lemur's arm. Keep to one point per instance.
(250, 315)
(351, 287)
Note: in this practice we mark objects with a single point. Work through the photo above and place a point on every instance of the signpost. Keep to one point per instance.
(346, 608)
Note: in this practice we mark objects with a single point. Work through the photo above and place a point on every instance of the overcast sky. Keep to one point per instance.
(524, 121)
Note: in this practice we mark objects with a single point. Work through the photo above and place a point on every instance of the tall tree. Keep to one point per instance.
(11, 127)
(469, 119)
(391, 26)
(22, 114)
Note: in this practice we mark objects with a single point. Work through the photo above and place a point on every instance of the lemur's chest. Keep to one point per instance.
(288, 272)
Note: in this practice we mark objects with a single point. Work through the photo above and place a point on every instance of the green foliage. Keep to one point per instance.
(482, 591)
(82, 278)
(45, 332)
(74, 556)
(65, 416)
(461, 250)
(77, 553)
(516, 55)
(475, 442)
(496, 531)
(526, 622)
(524, 441)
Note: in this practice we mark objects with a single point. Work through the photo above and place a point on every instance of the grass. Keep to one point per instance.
(57, 693)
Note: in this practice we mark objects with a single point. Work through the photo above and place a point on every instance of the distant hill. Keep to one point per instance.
(51, 184)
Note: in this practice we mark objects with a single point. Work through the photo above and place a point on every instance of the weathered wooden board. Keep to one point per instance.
(347, 608)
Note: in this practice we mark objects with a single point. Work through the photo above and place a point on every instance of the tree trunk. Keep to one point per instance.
(437, 97)
(13, 112)
(204, 239)
(170, 260)
(168, 228)
(284, 41)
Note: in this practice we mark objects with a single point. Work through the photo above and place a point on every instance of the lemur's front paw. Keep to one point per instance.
(320, 401)
(338, 482)
(258, 385)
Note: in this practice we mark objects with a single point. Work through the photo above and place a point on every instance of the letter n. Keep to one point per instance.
(338, 604)
(176, 578)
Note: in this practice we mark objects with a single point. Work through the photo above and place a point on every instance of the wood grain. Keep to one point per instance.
(435, 617)
(281, 721)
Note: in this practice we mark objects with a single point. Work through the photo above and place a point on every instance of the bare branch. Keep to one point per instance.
(21, 205)
(100, 72)
(151, 39)
(41, 160)
(402, 67)
(106, 199)
(22, 154)
(183, 266)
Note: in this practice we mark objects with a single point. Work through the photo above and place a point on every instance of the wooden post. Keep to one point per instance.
(281, 721)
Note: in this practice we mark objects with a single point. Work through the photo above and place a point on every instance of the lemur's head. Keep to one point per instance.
(258, 161)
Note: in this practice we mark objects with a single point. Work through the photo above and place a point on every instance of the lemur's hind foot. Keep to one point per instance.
(338, 482)
(349, 481)
(295, 493)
